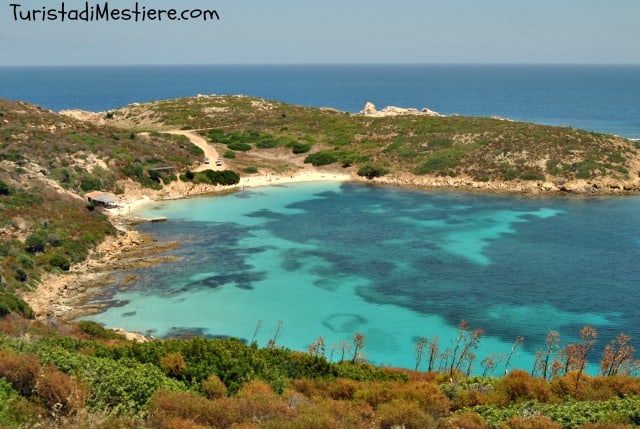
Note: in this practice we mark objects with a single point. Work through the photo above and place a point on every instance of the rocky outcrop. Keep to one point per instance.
(370, 110)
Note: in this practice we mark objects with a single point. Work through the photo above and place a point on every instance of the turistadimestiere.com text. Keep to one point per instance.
(104, 12)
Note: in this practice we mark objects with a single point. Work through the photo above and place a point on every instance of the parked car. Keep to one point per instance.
(207, 160)
(219, 162)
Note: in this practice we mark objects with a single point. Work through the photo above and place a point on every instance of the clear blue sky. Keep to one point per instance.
(332, 31)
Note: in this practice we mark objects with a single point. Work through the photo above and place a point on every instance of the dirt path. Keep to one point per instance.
(209, 151)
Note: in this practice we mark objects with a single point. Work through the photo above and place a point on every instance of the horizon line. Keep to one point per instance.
(326, 64)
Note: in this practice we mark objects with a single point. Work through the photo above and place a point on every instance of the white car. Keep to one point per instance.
(207, 160)
(219, 162)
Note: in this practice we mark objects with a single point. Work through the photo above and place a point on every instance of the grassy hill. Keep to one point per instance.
(476, 149)
(81, 375)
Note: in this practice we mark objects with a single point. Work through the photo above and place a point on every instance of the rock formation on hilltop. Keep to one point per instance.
(370, 110)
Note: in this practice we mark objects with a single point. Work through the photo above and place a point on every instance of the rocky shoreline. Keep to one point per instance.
(67, 296)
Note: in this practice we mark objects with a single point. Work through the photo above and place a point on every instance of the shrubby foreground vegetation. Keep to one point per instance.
(82, 375)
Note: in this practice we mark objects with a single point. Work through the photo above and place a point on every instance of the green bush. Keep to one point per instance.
(9, 303)
(229, 154)
(25, 261)
(60, 261)
(195, 150)
(267, 143)
(371, 171)
(5, 247)
(5, 189)
(532, 175)
(35, 243)
(297, 147)
(321, 158)
(21, 275)
(441, 161)
(224, 177)
(169, 178)
(251, 170)
(90, 183)
(10, 416)
(96, 330)
(243, 147)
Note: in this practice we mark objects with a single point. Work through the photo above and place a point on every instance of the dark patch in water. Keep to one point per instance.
(190, 332)
(241, 280)
(129, 313)
(186, 332)
(344, 322)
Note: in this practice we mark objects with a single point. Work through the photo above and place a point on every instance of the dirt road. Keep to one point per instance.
(209, 151)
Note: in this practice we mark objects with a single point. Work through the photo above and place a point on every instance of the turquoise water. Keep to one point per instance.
(335, 259)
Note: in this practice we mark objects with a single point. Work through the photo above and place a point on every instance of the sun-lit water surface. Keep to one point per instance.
(334, 259)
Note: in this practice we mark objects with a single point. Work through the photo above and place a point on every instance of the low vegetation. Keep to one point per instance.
(84, 375)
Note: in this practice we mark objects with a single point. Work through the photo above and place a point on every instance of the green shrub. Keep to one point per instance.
(5, 189)
(229, 154)
(321, 158)
(96, 330)
(371, 171)
(441, 161)
(25, 261)
(21, 275)
(297, 147)
(251, 170)
(532, 175)
(267, 143)
(195, 150)
(90, 183)
(60, 261)
(5, 247)
(585, 169)
(243, 147)
(169, 178)
(35, 243)
(10, 416)
(224, 177)
(9, 303)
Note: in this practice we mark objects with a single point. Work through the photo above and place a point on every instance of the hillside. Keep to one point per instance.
(54, 374)
(412, 148)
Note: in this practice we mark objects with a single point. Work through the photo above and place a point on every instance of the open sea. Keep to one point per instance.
(333, 259)
(602, 98)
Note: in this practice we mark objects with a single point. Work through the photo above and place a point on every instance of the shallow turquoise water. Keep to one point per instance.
(335, 259)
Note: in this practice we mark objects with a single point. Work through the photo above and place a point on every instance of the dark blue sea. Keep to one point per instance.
(604, 98)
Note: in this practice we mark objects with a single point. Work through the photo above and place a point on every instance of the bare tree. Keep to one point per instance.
(616, 355)
(588, 337)
(543, 358)
(517, 343)
(434, 348)
(317, 348)
(358, 344)
(419, 350)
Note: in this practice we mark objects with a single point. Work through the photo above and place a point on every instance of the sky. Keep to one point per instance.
(329, 31)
